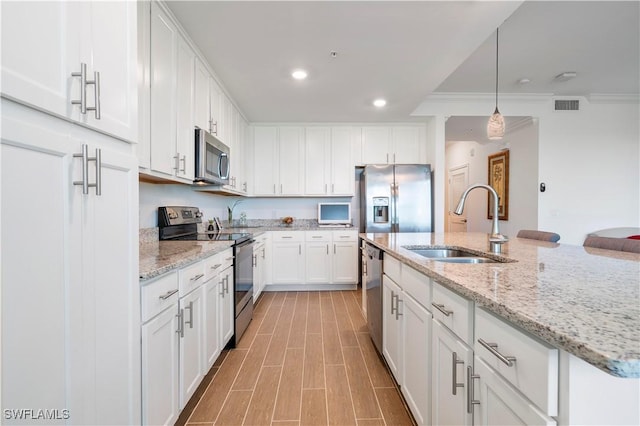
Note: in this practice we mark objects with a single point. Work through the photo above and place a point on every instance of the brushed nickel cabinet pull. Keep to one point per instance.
(454, 376)
(168, 294)
(96, 92)
(493, 348)
(83, 88)
(441, 308)
(470, 390)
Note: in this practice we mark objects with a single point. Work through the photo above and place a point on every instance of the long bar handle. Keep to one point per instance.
(180, 329)
(196, 277)
(493, 348)
(184, 164)
(398, 301)
(393, 296)
(221, 287)
(470, 390)
(168, 294)
(254, 261)
(441, 308)
(454, 375)
(83, 89)
(98, 160)
(96, 92)
(216, 266)
(190, 308)
(85, 169)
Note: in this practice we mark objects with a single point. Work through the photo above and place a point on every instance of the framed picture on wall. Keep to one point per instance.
(498, 167)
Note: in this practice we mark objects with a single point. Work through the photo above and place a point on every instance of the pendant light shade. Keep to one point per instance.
(495, 126)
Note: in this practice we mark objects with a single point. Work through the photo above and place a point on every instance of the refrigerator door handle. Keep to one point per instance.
(394, 207)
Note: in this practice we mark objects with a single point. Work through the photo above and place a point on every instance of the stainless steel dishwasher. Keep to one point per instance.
(374, 294)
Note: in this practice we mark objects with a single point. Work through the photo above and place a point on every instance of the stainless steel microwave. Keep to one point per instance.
(212, 159)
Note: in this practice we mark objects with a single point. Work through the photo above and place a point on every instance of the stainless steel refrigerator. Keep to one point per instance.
(393, 198)
(396, 198)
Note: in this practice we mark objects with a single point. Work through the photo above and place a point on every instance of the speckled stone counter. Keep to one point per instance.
(582, 300)
(159, 257)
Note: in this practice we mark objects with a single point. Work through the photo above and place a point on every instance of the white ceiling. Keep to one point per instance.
(403, 51)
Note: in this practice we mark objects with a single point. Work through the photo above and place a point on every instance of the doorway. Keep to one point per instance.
(458, 180)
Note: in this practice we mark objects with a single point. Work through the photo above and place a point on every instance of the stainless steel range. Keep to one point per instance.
(181, 223)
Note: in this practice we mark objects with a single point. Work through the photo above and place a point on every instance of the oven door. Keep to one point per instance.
(212, 159)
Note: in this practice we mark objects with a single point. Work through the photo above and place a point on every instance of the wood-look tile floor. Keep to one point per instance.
(306, 359)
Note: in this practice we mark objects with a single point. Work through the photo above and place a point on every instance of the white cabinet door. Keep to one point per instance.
(201, 111)
(110, 30)
(416, 382)
(344, 265)
(449, 385)
(406, 145)
(191, 344)
(110, 298)
(318, 262)
(317, 161)
(163, 92)
(185, 146)
(226, 303)
(212, 319)
(288, 263)
(501, 404)
(291, 161)
(35, 338)
(376, 143)
(160, 343)
(342, 177)
(40, 50)
(89, 305)
(392, 310)
(259, 270)
(265, 160)
(215, 107)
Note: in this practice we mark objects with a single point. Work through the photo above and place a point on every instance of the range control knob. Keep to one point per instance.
(198, 213)
(172, 214)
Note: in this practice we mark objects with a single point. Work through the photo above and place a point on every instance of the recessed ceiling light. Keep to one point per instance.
(299, 74)
(524, 81)
(379, 103)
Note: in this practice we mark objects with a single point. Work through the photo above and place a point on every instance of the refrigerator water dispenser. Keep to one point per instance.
(380, 209)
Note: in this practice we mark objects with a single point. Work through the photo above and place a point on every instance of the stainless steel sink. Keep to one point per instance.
(450, 255)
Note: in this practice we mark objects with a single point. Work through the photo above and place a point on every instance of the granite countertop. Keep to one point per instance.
(585, 301)
(159, 257)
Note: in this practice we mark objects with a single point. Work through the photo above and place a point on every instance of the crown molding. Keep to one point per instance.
(604, 98)
(483, 97)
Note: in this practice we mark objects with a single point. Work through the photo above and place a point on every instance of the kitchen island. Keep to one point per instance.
(583, 302)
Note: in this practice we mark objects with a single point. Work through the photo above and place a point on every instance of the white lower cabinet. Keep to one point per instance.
(259, 265)
(450, 358)
(315, 259)
(288, 257)
(160, 368)
(187, 319)
(226, 305)
(192, 344)
(406, 342)
(500, 404)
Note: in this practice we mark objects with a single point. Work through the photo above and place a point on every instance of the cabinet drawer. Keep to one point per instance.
(226, 257)
(454, 311)
(344, 236)
(213, 265)
(535, 369)
(288, 236)
(191, 277)
(417, 285)
(391, 268)
(317, 236)
(159, 294)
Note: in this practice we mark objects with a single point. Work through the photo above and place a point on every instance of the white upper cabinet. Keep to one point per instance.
(172, 99)
(202, 108)
(317, 161)
(278, 160)
(329, 169)
(342, 164)
(393, 145)
(375, 145)
(98, 38)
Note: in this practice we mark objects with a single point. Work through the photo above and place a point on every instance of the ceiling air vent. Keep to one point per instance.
(567, 105)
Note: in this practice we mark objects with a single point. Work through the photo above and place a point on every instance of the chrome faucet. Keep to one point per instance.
(496, 239)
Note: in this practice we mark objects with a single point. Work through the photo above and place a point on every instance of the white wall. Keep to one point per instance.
(588, 159)
(153, 196)
(523, 193)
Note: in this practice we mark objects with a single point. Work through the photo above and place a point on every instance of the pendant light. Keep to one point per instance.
(495, 126)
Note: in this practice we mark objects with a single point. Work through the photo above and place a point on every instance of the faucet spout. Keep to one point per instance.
(495, 236)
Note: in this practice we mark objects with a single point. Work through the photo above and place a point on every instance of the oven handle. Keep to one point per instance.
(245, 243)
